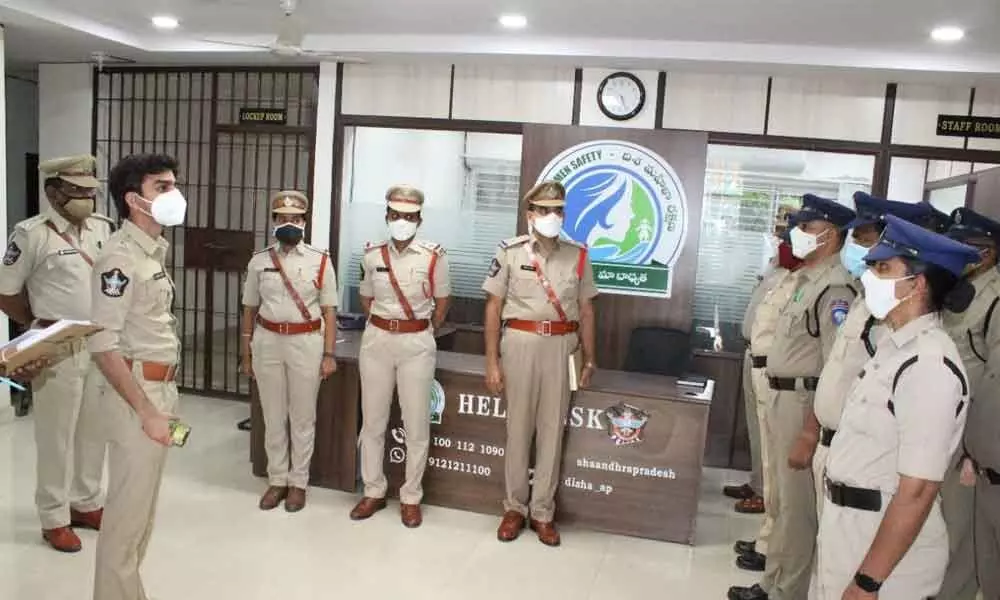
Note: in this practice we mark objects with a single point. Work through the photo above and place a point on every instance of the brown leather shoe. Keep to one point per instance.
(750, 506)
(296, 500)
(62, 539)
(86, 520)
(739, 492)
(366, 508)
(410, 514)
(273, 497)
(510, 526)
(547, 533)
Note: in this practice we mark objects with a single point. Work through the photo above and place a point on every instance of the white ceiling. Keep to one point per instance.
(879, 36)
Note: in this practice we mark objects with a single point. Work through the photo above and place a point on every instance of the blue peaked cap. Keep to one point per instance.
(904, 239)
(870, 210)
(965, 224)
(815, 208)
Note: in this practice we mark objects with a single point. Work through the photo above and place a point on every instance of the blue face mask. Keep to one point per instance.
(852, 256)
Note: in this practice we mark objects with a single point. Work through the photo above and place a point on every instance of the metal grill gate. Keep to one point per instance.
(227, 171)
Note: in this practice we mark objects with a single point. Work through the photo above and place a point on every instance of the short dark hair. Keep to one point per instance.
(940, 281)
(128, 174)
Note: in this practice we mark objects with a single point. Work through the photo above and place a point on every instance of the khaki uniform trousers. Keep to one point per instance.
(403, 362)
(135, 470)
(536, 388)
(286, 368)
(764, 396)
(753, 425)
(70, 439)
(846, 534)
(958, 504)
(988, 537)
(793, 537)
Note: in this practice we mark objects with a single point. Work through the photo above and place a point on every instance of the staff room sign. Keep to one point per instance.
(968, 126)
(263, 116)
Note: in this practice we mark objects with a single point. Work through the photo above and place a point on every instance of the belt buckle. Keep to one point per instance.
(545, 328)
(282, 328)
(393, 325)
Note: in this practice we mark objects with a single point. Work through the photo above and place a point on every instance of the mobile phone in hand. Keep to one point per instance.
(179, 433)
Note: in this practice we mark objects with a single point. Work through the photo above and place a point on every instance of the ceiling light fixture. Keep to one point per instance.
(947, 34)
(165, 22)
(513, 21)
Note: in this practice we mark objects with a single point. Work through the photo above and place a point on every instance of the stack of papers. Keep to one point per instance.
(38, 344)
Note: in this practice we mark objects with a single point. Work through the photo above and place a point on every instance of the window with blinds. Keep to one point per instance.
(738, 218)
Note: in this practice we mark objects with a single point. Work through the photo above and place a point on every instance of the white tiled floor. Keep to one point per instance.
(212, 542)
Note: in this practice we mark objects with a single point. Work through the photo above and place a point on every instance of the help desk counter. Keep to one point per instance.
(632, 454)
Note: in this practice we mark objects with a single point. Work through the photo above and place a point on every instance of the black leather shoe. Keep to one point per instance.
(751, 561)
(743, 593)
(738, 492)
(745, 546)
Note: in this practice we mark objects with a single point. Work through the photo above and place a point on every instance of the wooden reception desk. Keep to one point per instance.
(632, 455)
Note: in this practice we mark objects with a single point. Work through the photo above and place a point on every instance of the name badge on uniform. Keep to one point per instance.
(160, 275)
(68, 251)
(270, 269)
(528, 268)
(381, 269)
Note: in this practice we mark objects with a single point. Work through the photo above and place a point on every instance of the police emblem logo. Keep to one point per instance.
(12, 254)
(437, 402)
(113, 283)
(494, 267)
(838, 312)
(626, 424)
(289, 202)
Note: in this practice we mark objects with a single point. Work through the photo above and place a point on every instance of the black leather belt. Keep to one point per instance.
(826, 436)
(992, 476)
(787, 384)
(852, 497)
(758, 362)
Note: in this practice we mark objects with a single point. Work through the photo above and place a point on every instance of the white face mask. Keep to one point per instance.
(804, 244)
(168, 209)
(880, 294)
(548, 226)
(402, 230)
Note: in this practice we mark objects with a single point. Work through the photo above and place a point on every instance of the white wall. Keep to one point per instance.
(65, 112)
(6, 410)
(322, 200)
(22, 138)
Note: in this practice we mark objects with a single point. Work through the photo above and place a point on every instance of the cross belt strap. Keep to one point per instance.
(826, 436)
(853, 497)
(69, 240)
(291, 289)
(546, 285)
(403, 302)
(789, 384)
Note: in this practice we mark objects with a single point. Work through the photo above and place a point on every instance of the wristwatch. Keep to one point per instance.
(866, 583)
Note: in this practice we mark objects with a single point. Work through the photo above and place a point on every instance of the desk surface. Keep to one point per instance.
(604, 381)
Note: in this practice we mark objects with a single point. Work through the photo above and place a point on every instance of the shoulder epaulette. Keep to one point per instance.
(264, 250)
(431, 247)
(315, 249)
(575, 243)
(515, 241)
(374, 245)
(104, 218)
(35, 221)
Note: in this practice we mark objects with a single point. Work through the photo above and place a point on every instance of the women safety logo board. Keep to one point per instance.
(627, 204)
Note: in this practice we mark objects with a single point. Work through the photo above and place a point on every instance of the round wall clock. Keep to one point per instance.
(621, 96)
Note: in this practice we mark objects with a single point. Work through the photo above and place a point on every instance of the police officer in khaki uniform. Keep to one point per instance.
(540, 291)
(289, 345)
(882, 533)
(775, 290)
(405, 291)
(804, 334)
(137, 351)
(46, 276)
(975, 334)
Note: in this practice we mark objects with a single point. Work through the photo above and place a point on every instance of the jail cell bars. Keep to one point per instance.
(227, 171)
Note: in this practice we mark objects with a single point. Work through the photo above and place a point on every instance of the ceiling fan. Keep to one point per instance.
(288, 43)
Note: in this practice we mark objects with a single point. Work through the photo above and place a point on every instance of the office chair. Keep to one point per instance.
(658, 351)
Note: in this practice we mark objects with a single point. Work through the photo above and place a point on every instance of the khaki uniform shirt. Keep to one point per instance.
(968, 329)
(264, 287)
(809, 321)
(55, 273)
(912, 430)
(412, 268)
(756, 296)
(132, 298)
(512, 277)
(855, 344)
(778, 287)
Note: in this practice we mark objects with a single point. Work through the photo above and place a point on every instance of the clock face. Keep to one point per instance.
(621, 96)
